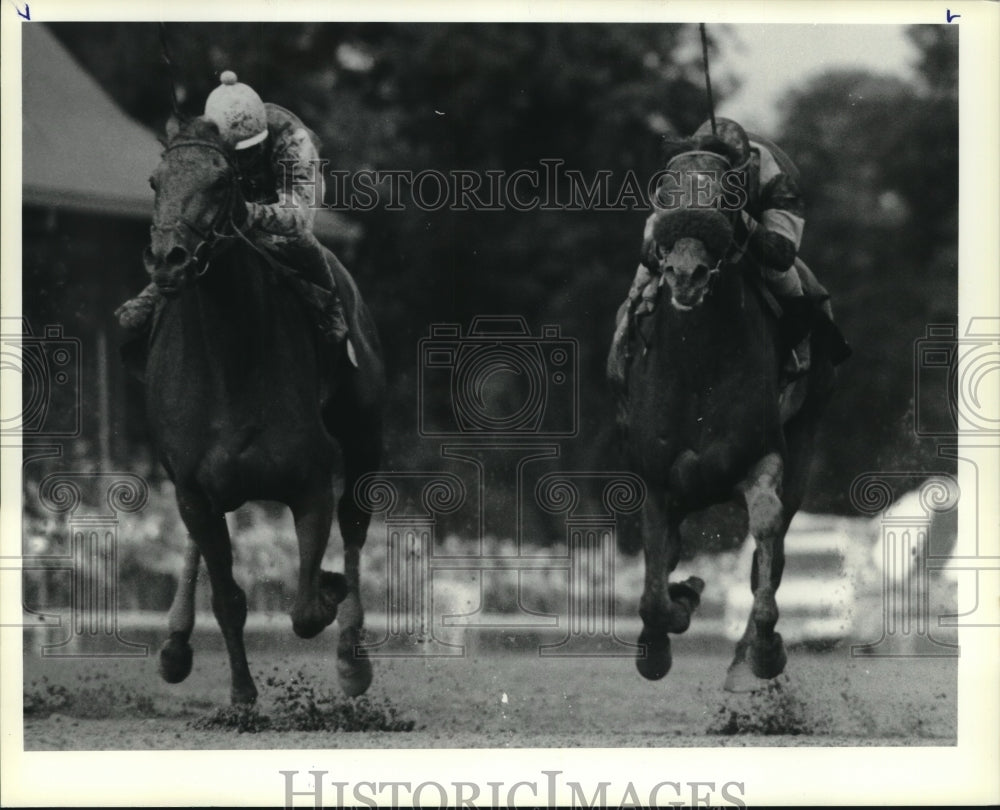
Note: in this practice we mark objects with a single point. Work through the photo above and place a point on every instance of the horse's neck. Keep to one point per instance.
(706, 341)
(226, 318)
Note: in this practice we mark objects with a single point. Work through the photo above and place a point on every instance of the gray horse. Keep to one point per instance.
(702, 423)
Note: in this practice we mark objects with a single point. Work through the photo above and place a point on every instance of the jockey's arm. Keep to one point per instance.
(774, 239)
(300, 189)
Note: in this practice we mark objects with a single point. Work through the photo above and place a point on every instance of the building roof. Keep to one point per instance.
(82, 152)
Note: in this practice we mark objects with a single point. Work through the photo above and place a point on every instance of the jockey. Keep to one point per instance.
(768, 229)
(282, 182)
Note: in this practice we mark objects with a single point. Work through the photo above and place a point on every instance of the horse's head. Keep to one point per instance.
(198, 200)
(689, 249)
(696, 201)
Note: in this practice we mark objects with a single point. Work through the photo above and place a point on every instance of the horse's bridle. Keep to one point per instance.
(222, 228)
(732, 254)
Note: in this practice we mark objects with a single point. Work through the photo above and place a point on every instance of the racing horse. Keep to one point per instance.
(701, 420)
(245, 401)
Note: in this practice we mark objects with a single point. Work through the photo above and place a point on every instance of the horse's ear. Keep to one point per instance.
(173, 127)
(211, 125)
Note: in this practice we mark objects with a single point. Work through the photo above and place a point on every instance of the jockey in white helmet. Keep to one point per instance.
(282, 182)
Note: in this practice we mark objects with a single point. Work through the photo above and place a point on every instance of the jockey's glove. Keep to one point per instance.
(773, 251)
(647, 254)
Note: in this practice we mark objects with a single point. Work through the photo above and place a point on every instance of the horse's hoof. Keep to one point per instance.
(657, 659)
(354, 670)
(740, 678)
(684, 597)
(243, 696)
(768, 658)
(311, 621)
(333, 588)
(176, 658)
(311, 627)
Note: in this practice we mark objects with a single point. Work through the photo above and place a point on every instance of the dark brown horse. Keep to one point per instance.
(245, 401)
(701, 423)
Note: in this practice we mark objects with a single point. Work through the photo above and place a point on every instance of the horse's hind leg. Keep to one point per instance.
(760, 653)
(319, 592)
(362, 452)
(208, 530)
(175, 655)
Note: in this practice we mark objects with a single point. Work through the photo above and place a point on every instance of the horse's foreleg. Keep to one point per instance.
(208, 530)
(319, 592)
(361, 455)
(664, 607)
(768, 522)
(175, 654)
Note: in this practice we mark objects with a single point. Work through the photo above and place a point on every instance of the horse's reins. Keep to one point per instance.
(223, 220)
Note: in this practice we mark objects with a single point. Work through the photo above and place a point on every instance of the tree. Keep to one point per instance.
(879, 163)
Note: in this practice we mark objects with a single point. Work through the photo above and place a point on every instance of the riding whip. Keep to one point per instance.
(708, 78)
(165, 53)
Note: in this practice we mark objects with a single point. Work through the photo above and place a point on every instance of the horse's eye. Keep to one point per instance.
(152, 183)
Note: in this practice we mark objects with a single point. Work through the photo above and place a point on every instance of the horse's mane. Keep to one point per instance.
(198, 128)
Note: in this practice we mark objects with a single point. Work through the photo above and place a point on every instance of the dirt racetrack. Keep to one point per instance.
(489, 698)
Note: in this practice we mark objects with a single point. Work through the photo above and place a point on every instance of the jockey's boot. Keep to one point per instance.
(136, 313)
(796, 329)
(310, 259)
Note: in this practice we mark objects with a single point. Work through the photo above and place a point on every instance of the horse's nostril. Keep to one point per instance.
(700, 272)
(177, 257)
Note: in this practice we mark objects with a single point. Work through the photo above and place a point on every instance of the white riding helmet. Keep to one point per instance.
(238, 111)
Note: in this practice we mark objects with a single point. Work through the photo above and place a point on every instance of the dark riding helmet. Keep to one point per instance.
(734, 139)
(731, 134)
